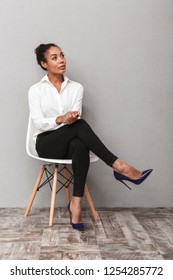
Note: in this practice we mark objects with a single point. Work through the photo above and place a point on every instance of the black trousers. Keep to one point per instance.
(74, 142)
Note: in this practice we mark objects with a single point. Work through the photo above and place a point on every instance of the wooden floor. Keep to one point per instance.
(117, 234)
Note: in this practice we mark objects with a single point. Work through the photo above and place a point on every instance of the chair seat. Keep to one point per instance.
(93, 158)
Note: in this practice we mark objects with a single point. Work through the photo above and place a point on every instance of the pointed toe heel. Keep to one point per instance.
(79, 226)
(120, 177)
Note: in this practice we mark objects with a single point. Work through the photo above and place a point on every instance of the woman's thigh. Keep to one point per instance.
(56, 144)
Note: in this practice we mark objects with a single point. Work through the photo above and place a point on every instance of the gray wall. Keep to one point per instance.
(121, 51)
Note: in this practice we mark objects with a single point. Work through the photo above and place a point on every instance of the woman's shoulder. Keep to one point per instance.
(36, 86)
(75, 84)
(34, 90)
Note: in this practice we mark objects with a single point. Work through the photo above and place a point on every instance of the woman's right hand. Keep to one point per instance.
(68, 118)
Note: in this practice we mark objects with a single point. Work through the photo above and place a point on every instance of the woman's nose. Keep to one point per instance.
(60, 59)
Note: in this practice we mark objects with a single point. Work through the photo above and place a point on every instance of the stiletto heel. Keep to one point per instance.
(120, 177)
(125, 184)
(78, 226)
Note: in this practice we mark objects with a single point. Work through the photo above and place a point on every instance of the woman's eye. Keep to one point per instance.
(54, 58)
(62, 55)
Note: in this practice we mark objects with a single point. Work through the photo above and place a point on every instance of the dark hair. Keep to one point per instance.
(40, 51)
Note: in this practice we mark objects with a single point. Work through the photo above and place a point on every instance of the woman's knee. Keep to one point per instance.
(79, 145)
(81, 122)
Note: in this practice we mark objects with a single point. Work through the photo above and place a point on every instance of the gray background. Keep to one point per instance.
(121, 51)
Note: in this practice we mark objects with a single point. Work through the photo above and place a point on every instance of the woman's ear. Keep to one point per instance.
(44, 64)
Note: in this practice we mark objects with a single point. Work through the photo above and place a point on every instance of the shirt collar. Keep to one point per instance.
(46, 79)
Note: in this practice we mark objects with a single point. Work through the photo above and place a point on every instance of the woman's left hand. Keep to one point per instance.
(71, 117)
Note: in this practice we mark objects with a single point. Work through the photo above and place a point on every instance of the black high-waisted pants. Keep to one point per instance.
(74, 141)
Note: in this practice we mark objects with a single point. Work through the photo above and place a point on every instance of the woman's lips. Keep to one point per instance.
(61, 67)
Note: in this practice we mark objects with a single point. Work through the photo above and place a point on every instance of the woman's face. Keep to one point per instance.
(55, 61)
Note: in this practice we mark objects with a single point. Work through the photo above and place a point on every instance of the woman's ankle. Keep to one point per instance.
(76, 202)
(76, 210)
(125, 169)
(120, 166)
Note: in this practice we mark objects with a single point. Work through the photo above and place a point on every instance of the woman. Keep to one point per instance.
(55, 107)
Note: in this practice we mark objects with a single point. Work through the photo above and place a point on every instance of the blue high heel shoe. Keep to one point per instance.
(78, 226)
(120, 177)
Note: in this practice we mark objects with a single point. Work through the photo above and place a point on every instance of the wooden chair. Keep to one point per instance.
(61, 172)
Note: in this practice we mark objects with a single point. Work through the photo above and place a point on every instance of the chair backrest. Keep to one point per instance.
(30, 144)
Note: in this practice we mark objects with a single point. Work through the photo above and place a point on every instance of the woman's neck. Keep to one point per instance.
(56, 79)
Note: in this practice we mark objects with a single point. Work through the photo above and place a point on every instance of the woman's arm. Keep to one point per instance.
(40, 122)
(77, 103)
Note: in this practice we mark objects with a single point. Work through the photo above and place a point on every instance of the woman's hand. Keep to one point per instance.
(68, 118)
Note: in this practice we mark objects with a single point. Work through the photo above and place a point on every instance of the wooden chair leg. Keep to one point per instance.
(94, 213)
(34, 191)
(67, 188)
(53, 199)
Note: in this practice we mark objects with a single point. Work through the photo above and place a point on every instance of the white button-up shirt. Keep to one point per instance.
(46, 103)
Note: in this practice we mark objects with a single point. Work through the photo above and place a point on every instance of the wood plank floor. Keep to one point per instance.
(134, 233)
